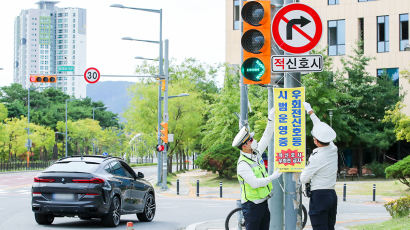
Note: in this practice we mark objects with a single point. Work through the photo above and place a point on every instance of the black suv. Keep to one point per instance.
(91, 187)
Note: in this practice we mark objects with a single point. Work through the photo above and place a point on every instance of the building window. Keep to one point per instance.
(236, 14)
(392, 73)
(361, 33)
(404, 31)
(336, 37)
(382, 34)
(333, 2)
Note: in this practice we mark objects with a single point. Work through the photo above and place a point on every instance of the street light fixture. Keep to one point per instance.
(139, 40)
(142, 58)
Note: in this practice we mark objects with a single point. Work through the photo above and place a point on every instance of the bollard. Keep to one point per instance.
(374, 192)
(197, 188)
(344, 192)
(220, 189)
(177, 186)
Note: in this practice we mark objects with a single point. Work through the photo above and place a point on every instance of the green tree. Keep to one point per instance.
(220, 129)
(47, 107)
(400, 170)
(401, 122)
(186, 114)
(362, 109)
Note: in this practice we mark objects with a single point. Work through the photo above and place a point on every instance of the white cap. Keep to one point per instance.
(323, 132)
(242, 136)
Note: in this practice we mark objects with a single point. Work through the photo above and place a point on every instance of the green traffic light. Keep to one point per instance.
(253, 69)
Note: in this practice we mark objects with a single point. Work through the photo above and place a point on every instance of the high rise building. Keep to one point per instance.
(51, 41)
(382, 25)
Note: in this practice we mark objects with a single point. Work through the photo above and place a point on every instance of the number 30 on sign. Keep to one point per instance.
(92, 75)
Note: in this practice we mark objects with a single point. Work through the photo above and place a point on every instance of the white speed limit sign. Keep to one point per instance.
(92, 75)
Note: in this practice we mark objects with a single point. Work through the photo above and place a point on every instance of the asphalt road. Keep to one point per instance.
(172, 212)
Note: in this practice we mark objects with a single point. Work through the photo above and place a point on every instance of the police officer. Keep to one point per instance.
(321, 172)
(256, 184)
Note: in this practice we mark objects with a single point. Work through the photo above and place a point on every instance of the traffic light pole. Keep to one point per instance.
(161, 73)
(244, 92)
(293, 195)
(276, 203)
(165, 118)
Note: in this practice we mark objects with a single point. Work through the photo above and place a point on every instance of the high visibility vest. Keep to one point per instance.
(254, 194)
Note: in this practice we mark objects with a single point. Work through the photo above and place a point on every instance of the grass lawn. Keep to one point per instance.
(383, 188)
(393, 224)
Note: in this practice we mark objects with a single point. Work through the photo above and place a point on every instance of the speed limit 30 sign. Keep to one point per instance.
(92, 75)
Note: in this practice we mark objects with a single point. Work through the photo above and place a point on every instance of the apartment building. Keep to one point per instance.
(382, 25)
(51, 41)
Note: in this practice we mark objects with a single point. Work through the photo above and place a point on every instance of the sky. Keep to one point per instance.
(194, 28)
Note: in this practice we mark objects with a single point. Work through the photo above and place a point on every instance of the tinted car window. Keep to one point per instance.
(73, 166)
(118, 170)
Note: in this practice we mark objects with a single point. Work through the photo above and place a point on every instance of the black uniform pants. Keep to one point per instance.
(257, 216)
(323, 209)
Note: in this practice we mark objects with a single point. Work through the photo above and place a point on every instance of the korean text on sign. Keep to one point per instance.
(297, 63)
(290, 154)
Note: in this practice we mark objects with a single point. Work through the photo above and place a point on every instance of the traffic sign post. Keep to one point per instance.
(296, 28)
(297, 63)
(92, 75)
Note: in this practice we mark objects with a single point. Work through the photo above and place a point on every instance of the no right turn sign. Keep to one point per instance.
(296, 28)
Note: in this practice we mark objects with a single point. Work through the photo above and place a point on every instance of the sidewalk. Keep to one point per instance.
(355, 210)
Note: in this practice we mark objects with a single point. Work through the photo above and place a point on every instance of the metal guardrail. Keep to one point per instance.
(22, 165)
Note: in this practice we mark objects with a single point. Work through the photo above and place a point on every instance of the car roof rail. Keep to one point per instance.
(97, 156)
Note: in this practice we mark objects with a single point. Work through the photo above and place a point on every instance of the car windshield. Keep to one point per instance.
(73, 166)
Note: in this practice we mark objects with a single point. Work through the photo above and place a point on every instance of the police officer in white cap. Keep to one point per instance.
(256, 184)
(321, 172)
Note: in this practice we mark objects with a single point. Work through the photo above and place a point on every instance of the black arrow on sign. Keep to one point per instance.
(302, 22)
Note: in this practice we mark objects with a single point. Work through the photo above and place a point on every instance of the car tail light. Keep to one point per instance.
(89, 181)
(43, 180)
(92, 194)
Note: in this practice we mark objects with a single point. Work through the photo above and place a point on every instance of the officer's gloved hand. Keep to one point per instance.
(307, 107)
(271, 114)
(276, 174)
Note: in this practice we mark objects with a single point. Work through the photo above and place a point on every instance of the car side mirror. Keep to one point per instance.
(140, 175)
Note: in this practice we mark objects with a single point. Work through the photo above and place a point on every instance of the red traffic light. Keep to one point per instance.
(43, 79)
(160, 148)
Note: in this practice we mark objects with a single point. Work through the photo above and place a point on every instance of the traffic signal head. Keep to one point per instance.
(43, 79)
(256, 42)
(160, 148)
(164, 132)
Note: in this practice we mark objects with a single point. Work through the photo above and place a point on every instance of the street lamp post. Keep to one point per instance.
(331, 116)
(161, 72)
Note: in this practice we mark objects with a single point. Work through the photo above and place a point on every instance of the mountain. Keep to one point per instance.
(113, 94)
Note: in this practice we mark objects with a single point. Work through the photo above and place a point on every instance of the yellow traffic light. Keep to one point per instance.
(256, 42)
(164, 132)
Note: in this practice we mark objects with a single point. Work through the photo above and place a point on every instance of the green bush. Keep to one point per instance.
(378, 169)
(400, 170)
(399, 208)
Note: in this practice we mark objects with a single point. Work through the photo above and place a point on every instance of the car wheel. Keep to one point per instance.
(44, 219)
(149, 209)
(112, 219)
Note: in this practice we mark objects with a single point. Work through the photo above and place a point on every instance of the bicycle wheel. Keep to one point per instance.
(304, 216)
(235, 220)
